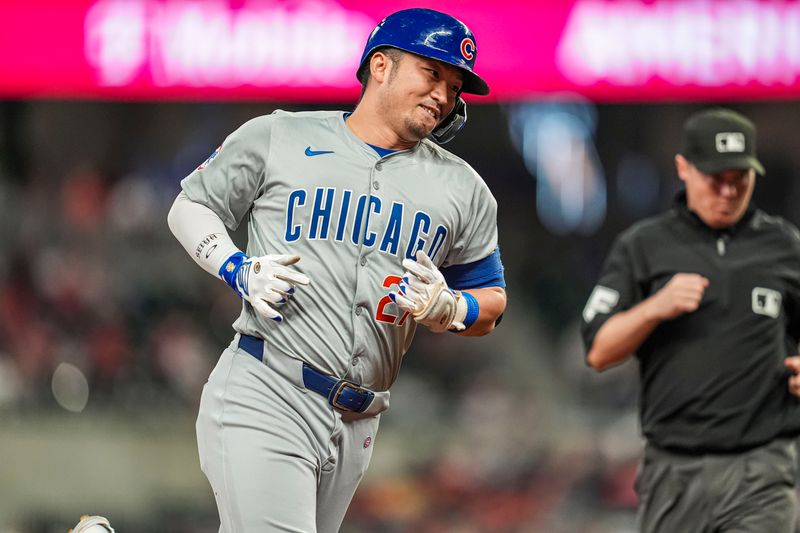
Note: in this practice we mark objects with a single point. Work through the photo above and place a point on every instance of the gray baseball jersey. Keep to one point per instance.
(310, 187)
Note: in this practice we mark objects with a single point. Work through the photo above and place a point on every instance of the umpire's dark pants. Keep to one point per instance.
(748, 492)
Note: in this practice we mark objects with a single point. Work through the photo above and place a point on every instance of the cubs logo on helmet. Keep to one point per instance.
(468, 48)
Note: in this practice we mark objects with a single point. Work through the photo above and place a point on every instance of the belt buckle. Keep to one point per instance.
(339, 390)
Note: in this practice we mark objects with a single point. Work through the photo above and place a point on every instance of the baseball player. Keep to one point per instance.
(707, 295)
(360, 228)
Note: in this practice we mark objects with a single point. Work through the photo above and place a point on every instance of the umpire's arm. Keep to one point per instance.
(619, 316)
(622, 334)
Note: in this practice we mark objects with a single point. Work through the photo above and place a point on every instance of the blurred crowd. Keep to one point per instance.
(85, 282)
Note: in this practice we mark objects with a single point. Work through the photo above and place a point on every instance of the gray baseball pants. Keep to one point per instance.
(748, 492)
(277, 456)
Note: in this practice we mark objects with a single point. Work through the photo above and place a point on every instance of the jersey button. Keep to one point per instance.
(358, 310)
(363, 261)
(376, 185)
(378, 166)
(355, 361)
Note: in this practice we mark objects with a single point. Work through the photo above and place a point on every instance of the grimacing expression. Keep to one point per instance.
(418, 94)
(720, 199)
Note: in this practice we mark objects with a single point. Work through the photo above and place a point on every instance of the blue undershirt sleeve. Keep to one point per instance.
(486, 272)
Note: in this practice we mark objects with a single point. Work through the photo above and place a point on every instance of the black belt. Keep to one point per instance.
(342, 394)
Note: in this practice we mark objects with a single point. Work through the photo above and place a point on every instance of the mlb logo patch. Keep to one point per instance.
(205, 163)
(766, 302)
(730, 141)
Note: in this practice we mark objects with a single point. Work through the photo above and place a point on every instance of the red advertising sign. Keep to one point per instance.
(307, 50)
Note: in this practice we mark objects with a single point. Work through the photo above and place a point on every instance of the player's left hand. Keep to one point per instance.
(793, 364)
(424, 294)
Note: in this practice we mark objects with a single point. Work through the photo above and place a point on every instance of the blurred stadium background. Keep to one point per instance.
(108, 330)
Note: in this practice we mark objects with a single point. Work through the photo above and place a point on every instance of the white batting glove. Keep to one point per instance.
(424, 294)
(266, 281)
(92, 524)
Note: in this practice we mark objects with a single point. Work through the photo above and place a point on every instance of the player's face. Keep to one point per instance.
(419, 94)
(718, 199)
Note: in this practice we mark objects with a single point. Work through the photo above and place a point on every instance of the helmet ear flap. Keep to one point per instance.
(452, 123)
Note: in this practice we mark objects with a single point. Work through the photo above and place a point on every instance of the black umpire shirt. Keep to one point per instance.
(712, 380)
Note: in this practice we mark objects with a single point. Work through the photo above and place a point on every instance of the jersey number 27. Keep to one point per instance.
(380, 313)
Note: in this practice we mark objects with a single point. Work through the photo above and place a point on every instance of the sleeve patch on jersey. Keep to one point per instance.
(486, 272)
(214, 154)
(601, 301)
(766, 302)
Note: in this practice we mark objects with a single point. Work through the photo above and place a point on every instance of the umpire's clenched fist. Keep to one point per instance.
(681, 295)
(793, 364)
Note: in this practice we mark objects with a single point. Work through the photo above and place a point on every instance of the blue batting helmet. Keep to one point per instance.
(431, 34)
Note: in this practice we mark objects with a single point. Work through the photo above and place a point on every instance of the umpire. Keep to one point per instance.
(707, 295)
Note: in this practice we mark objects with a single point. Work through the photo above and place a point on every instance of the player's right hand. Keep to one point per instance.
(682, 294)
(267, 282)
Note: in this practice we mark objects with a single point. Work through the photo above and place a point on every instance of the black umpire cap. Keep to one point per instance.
(720, 139)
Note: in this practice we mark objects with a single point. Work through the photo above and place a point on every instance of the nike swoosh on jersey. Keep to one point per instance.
(312, 153)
